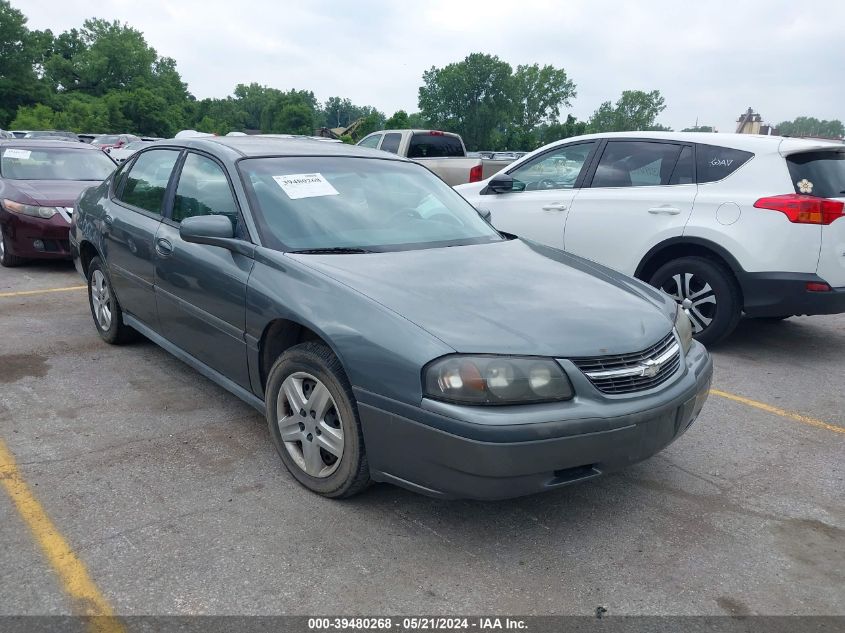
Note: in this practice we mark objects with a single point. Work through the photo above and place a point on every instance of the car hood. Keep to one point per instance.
(512, 297)
(53, 193)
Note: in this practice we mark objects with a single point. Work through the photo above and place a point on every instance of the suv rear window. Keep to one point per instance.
(824, 173)
(714, 163)
(428, 145)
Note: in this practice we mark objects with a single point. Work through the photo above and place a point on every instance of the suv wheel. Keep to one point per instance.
(108, 316)
(708, 291)
(314, 423)
(6, 258)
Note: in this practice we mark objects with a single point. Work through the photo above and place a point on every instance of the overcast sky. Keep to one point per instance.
(711, 60)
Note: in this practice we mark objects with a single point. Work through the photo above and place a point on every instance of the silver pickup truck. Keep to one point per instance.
(442, 152)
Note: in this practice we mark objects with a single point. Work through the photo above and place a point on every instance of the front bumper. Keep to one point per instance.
(431, 451)
(22, 232)
(785, 294)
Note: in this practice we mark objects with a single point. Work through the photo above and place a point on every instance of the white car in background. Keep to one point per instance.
(120, 154)
(725, 223)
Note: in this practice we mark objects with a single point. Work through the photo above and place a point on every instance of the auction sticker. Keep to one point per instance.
(17, 153)
(305, 186)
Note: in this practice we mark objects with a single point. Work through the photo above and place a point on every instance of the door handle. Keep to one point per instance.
(164, 247)
(108, 221)
(664, 210)
(554, 207)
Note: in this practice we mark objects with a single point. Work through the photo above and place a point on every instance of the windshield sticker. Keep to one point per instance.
(17, 153)
(805, 186)
(305, 186)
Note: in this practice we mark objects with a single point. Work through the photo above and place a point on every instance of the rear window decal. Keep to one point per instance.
(23, 154)
(298, 186)
(721, 162)
(804, 186)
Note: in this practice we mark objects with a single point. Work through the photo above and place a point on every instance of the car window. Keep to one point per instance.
(147, 179)
(636, 164)
(203, 189)
(371, 141)
(683, 173)
(434, 144)
(53, 163)
(713, 163)
(556, 169)
(342, 202)
(391, 142)
(818, 173)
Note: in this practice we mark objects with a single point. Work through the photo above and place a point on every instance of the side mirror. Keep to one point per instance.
(206, 229)
(504, 183)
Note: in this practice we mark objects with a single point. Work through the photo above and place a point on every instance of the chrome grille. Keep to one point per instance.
(628, 373)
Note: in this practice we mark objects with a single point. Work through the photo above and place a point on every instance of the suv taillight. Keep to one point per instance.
(804, 209)
(475, 174)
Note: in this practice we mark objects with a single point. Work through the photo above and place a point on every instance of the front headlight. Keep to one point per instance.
(28, 209)
(491, 380)
(684, 328)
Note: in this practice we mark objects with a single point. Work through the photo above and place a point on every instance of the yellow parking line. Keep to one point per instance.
(778, 411)
(88, 601)
(23, 293)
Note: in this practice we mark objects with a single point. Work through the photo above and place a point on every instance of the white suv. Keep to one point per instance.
(725, 223)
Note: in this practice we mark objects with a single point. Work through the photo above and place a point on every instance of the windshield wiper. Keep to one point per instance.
(336, 250)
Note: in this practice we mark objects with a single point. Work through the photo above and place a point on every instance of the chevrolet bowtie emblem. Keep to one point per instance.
(650, 368)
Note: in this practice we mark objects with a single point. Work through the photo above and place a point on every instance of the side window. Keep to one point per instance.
(391, 142)
(120, 176)
(636, 164)
(556, 169)
(714, 163)
(683, 173)
(203, 189)
(147, 179)
(371, 141)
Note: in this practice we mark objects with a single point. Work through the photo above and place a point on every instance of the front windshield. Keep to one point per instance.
(314, 203)
(48, 163)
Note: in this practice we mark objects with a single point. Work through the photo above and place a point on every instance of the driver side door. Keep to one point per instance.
(539, 210)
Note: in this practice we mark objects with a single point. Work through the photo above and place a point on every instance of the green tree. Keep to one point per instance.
(698, 128)
(417, 121)
(811, 126)
(37, 117)
(21, 51)
(634, 110)
(539, 93)
(473, 97)
(399, 121)
(548, 133)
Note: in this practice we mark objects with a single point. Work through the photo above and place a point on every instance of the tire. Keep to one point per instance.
(7, 260)
(716, 303)
(105, 309)
(310, 375)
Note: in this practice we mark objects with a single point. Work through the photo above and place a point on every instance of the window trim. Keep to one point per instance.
(588, 184)
(131, 207)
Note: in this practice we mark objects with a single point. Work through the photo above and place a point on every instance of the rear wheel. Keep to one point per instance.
(6, 258)
(707, 290)
(313, 420)
(108, 316)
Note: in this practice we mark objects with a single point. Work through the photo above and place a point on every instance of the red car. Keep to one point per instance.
(39, 183)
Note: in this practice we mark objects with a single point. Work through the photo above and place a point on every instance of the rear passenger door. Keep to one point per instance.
(640, 193)
(201, 289)
(130, 223)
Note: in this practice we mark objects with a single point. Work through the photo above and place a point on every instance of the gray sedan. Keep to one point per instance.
(386, 330)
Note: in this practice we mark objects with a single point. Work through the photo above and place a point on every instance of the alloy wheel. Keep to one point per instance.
(695, 294)
(101, 300)
(309, 425)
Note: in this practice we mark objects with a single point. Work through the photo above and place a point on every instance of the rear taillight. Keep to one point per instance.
(475, 174)
(804, 209)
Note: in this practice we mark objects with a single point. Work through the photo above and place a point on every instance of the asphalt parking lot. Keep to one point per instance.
(167, 491)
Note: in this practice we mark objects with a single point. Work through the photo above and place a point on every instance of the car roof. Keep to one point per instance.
(32, 143)
(264, 146)
(757, 143)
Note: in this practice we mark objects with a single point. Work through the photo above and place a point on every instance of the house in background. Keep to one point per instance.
(752, 123)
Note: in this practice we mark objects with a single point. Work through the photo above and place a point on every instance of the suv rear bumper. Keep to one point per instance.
(786, 294)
